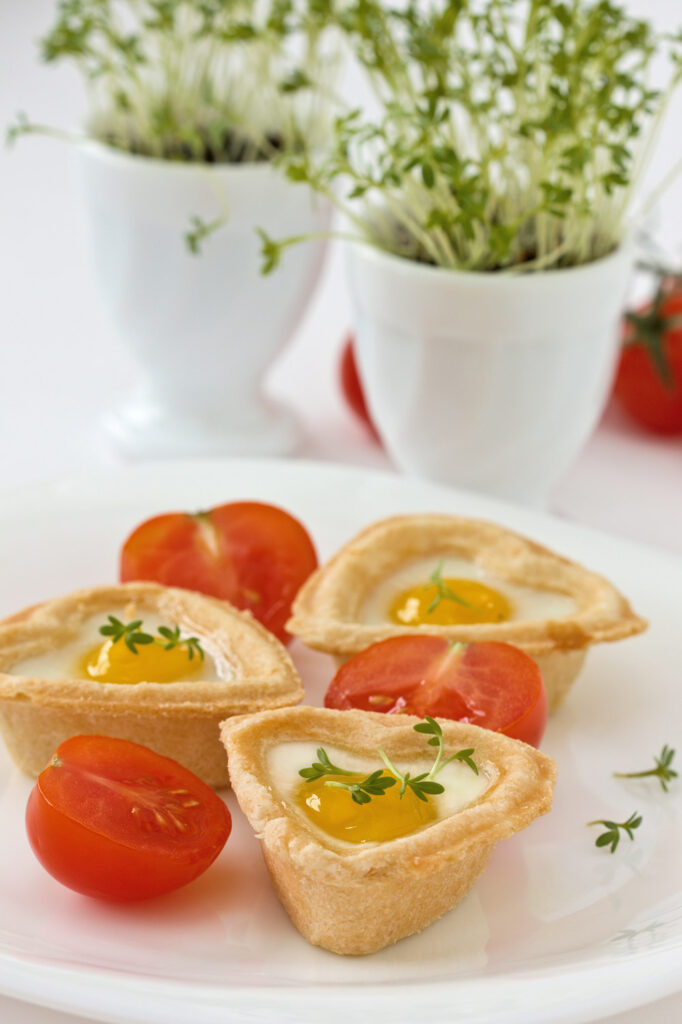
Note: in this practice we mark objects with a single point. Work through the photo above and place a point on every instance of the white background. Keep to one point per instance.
(63, 366)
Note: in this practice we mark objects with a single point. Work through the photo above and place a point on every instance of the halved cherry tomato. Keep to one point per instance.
(351, 385)
(114, 820)
(254, 555)
(493, 685)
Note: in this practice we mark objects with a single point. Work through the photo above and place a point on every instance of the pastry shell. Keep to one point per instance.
(179, 719)
(326, 612)
(358, 900)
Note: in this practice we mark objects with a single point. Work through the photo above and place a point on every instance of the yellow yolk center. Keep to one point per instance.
(450, 602)
(115, 663)
(385, 817)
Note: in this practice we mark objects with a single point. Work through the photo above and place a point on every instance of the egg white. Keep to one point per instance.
(62, 662)
(527, 603)
(284, 761)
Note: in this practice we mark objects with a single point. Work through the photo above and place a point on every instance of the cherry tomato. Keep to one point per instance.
(254, 555)
(351, 385)
(112, 819)
(493, 685)
(648, 382)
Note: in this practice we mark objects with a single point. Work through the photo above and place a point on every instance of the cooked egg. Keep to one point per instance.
(332, 811)
(93, 656)
(446, 590)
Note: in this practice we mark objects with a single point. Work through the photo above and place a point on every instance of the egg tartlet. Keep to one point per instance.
(356, 875)
(466, 580)
(156, 665)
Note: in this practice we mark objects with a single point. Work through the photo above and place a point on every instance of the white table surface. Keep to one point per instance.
(63, 366)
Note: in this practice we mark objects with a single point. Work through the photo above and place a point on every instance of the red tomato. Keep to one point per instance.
(649, 378)
(493, 685)
(254, 555)
(352, 386)
(112, 819)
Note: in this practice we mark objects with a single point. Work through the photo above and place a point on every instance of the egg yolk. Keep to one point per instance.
(385, 817)
(450, 602)
(115, 663)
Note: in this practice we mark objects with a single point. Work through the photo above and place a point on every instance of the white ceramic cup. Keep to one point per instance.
(488, 381)
(203, 329)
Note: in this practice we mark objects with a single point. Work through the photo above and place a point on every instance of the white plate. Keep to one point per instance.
(556, 930)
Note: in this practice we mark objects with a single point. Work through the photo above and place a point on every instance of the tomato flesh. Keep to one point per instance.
(254, 555)
(114, 820)
(493, 685)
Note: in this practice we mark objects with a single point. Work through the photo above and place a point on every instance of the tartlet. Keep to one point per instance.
(39, 708)
(358, 899)
(329, 611)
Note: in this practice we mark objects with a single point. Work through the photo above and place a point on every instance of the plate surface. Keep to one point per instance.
(556, 930)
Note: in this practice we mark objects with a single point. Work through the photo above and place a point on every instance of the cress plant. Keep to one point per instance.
(507, 133)
(217, 81)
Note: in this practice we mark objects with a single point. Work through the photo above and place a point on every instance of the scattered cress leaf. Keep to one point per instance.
(612, 835)
(661, 770)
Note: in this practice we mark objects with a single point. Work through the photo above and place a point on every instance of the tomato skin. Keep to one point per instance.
(254, 555)
(351, 385)
(113, 820)
(639, 387)
(490, 684)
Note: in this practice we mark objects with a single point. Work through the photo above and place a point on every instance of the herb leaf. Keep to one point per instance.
(128, 632)
(322, 767)
(613, 829)
(662, 770)
(377, 783)
(133, 637)
(444, 592)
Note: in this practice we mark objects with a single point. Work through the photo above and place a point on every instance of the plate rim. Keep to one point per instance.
(659, 968)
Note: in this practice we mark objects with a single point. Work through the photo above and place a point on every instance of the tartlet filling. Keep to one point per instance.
(92, 655)
(447, 590)
(341, 822)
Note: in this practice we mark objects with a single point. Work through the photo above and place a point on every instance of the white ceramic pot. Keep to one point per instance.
(203, 329)
(487, 381)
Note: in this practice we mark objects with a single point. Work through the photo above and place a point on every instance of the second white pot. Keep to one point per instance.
(487, 381)
(203, 329)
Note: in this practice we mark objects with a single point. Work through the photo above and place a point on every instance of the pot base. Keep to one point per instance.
(143, 431)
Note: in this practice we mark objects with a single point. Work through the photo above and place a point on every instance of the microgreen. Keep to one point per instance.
(508, 134)
(199, 230)
(173, 639)
(215, 81)
(133, 637)
(443, 591)
(662, 770)
(322, 767)
(377, 783)
(129, 632)
(613, 829)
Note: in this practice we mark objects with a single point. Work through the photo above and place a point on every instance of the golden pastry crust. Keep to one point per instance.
(327, 610)
(358, 900)
(178, 719)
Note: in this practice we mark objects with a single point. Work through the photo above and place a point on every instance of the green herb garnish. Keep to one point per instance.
(377, 783)
(173, 639)
(444, 592)
(199, 230)
(662, 771)
(612, 836)
(133, 637)
(130, 632)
